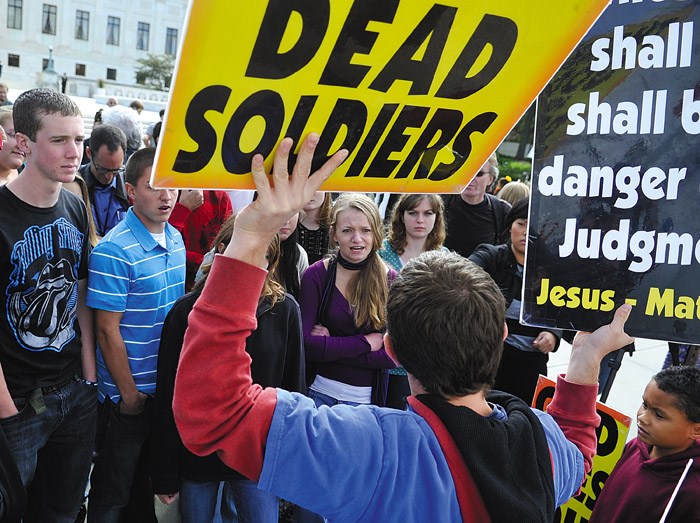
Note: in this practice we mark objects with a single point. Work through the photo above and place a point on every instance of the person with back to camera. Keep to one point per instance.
(526, 349)
(664, 456)
(514, 192)
(417, 225)
(457, 454)
(276, 348)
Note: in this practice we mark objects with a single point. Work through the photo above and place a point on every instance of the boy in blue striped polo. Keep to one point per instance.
(136, 273)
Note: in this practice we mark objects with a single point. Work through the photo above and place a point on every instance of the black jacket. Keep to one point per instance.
(276, 348)
(119, 190)
(499, 261)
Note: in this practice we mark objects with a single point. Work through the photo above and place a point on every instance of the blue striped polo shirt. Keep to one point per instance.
(130, 272)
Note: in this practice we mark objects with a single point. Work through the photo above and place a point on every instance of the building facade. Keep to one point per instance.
(96, 44)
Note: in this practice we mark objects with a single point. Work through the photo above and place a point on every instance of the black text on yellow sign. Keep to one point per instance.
(400, 84)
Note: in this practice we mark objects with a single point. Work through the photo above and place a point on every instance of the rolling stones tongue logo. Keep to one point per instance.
(43, 291)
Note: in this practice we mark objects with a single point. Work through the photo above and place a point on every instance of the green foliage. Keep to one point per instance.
(156, 71)
(516, 169)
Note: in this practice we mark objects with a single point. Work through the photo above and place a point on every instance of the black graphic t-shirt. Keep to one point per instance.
(43, 254)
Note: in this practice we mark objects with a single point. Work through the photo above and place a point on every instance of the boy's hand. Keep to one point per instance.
(589, 348)
(257, 223)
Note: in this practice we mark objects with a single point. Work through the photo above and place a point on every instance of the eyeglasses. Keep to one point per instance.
(103, 170)
(481, 173)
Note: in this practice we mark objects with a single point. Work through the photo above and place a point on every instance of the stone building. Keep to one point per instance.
(96, 44)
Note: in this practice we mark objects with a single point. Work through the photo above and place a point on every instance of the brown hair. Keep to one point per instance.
(271, 288)
(137, 164)
(32, 105)
(368, 290)
(397, 228)
(92, 235)
(445, 319)
(324, 213)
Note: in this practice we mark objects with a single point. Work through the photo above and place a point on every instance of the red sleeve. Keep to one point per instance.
(574, 409)
(216, 405)
(179, 216)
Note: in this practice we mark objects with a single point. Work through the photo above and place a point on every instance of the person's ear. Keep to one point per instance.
(23, 143)
(88, 151)
(130, 190)
(389, 349)
(221, 247)
(695, 432)
(333, 234)
(505, 331)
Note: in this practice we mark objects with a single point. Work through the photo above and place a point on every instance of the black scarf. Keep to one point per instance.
(329, 285)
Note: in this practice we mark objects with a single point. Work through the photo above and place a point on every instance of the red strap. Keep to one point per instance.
(471, 504)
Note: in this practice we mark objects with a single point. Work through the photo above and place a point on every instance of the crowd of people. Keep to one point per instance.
(307, 358)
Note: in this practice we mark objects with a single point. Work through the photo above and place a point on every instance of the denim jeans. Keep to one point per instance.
(241, 497)
(324, 399)
(53, 450)
(120, 484)
(198, 501)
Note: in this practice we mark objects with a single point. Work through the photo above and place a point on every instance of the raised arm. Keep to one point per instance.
(574, 403)
(216, 405)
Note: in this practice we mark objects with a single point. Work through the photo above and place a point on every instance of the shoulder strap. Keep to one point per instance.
(471, 504)
(499, 213)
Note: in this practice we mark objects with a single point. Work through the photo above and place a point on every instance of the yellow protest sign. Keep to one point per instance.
(612, 436)
(420, 93)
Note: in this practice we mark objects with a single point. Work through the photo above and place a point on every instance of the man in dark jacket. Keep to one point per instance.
(104, 176)
(474, 217)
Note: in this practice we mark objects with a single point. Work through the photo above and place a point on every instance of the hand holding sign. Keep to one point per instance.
(590, 348)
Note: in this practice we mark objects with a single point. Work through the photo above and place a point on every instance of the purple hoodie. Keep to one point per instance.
(640, 487)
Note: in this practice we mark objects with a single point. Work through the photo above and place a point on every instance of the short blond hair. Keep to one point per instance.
(513, 192)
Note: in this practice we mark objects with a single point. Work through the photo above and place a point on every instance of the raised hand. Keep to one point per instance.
(258, 222)
(589, 348)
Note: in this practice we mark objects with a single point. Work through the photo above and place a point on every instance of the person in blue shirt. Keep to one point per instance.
(136, 273)
(104, 176)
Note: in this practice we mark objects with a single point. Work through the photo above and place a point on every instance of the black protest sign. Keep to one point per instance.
(616, 178)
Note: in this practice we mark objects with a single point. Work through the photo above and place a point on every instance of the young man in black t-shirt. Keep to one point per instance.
(48, 403)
